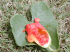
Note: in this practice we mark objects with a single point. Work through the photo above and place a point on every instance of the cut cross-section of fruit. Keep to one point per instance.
(38, 34)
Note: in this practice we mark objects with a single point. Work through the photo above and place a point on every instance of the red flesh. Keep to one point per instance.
(36, 32)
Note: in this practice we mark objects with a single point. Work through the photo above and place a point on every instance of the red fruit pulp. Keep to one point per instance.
(37, 33)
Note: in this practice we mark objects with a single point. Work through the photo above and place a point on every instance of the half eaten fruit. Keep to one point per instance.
(38, 34)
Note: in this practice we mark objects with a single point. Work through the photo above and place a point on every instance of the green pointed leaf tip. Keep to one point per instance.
(18, 23)
(42, 11)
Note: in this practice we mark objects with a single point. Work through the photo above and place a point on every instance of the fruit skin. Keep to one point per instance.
(37, 33)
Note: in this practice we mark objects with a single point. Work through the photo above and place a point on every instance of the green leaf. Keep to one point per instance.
(42, 11)
(18, 23)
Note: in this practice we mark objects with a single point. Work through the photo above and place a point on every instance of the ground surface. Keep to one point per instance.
(60, 9)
